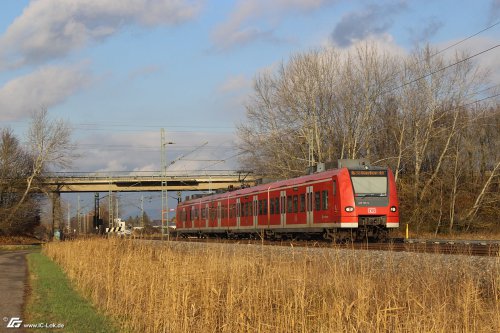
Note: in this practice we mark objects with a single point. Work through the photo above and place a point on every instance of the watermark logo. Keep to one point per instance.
(14, 322)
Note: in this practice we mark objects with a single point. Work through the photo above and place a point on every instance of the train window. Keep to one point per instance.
(249, 209)
(317, 200)
(261, 206)
(264, 207)
(302, 202)
(271, 206)
(334, 187)
(289, 204)
(324, 202)
(295, 203)
(276, 205)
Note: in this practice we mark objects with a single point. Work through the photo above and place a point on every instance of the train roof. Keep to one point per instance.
(278, 184)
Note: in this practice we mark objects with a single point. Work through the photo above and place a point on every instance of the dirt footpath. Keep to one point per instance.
(13, 283)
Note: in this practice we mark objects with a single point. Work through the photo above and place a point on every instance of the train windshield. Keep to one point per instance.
(369, 183)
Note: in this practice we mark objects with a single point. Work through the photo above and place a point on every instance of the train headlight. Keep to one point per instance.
(393, 209)
(349, 209)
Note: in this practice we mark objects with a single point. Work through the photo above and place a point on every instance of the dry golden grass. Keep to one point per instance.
(151, 287)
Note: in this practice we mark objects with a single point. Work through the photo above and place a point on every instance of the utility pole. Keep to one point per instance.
(78, 214)
(164, 187)
(69, 219)
(110, 206)
(116, 202)
(142, 210)
(311, 148)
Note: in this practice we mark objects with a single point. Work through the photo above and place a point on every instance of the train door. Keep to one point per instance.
(309, 205)
(335, 203)
(238, 212)
(200, 218)
(218, 214)
(183, 217)
(255, 210)
(283, 207)
(206, 216)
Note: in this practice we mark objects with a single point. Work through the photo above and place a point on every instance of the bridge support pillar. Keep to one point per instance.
(56, 212)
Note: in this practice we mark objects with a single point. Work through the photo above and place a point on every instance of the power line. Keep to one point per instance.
(439, 70)
(483, 90)
(466, 38)
(447, 48)
(479, 100)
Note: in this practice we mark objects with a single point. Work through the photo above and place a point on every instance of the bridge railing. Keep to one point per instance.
(147, 174)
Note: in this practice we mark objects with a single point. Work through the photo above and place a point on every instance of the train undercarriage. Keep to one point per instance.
(367, 230)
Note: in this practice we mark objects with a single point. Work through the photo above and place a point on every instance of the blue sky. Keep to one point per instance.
(118, 71)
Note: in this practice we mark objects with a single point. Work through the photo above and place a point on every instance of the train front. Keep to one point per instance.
(374, 202)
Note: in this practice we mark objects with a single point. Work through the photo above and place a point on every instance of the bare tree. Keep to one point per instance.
(14, 167)
(318, 107)
(413, 113)
(48, 145)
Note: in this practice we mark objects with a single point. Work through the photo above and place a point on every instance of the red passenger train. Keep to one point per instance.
(342, 204)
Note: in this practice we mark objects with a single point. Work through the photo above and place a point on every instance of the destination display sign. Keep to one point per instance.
(368, 173)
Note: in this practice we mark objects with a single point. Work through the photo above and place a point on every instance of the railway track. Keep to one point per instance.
(457, 247)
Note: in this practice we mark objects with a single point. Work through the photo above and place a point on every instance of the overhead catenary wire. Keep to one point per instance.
(438, 70)
(95, 126)
(466, 38)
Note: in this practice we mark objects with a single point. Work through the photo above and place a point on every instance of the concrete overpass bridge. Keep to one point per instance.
(80, 182)
(147, 181)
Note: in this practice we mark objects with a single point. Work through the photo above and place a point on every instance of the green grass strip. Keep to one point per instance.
(53, 300)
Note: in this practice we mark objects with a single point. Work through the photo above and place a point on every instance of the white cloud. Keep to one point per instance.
(235, 83)
(241, 28)
(50, 29)
(489, 61)
(140, 151)
(113, 166)
(45, 87)
(383, 42)
(146, 168)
